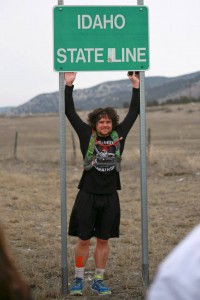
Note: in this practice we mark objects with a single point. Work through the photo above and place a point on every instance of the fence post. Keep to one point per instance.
(15, 145)
(149, 143)
(74, 149)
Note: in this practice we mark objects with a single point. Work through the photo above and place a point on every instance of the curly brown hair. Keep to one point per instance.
(98, 113)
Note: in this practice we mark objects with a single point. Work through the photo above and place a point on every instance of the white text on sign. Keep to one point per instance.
(105, 22)
(96, 23)
(88, 55)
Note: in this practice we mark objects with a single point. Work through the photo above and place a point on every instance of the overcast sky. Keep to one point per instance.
(26, 51)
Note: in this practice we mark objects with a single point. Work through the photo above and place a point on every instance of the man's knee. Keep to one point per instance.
(83, 243)
(102, 243)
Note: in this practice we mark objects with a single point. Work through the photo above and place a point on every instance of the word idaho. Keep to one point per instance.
(87, 22)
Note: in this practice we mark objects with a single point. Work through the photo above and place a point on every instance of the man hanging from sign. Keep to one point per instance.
(96, 212)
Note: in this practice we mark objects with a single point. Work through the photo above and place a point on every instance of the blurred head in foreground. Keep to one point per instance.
(12, 286)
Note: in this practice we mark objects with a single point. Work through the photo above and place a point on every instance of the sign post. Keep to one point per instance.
(64, 265)
(143, 178)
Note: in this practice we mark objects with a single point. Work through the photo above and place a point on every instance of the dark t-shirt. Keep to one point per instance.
(100, 179)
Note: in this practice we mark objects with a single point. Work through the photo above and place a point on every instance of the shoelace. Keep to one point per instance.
(100, 283)
(78, 280)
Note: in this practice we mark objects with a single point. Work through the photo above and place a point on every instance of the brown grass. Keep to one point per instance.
(30, 198)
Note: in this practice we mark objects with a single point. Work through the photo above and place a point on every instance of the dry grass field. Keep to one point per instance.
(30, 198)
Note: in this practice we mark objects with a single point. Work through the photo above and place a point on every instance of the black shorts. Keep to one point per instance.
(95, 215)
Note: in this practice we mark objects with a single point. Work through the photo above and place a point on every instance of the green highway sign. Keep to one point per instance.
(100, 38)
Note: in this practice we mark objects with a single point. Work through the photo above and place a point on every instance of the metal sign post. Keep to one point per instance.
(143, 178)
(64, 269)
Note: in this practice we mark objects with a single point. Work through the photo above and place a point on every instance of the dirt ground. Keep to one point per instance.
(30, 198)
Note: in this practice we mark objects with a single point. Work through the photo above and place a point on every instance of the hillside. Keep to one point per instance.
(117, 94)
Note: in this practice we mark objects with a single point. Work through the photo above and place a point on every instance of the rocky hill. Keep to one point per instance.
(117, 94)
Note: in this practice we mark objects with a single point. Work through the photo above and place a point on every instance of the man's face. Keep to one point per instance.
(104, 126)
